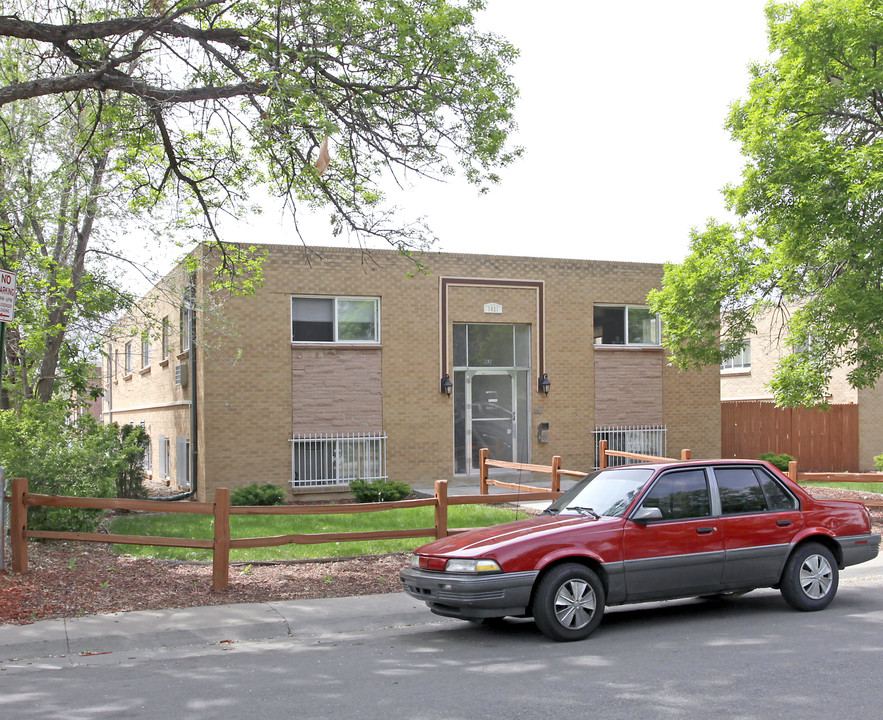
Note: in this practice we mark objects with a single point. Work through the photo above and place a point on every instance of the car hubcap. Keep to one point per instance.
(816, 577)
(575, 604)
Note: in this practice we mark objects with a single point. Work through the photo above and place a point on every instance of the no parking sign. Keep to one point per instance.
(7, 296)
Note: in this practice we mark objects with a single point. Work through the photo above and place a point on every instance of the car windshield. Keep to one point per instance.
(605, 492)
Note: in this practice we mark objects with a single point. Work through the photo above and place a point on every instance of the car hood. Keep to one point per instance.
(486, 541)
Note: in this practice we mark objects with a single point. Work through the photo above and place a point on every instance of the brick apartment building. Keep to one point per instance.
(344, 366)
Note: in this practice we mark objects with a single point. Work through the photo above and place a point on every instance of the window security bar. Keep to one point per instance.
(642, 440)
(337, 459)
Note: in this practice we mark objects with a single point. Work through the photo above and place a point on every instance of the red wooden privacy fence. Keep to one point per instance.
(823, 440)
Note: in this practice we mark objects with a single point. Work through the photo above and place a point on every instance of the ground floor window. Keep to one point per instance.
(337, 459)
(643, 440)
(182, 462)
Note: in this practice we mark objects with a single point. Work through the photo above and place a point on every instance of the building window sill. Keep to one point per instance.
(144, 371)
(183, 355)
(127, 377)
(630, 348)
(735, 371)
(337, 345)
(164, 363)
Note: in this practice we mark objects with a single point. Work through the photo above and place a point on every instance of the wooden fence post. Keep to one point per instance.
(18, 525)
(441, 509)
(792, 470)
(602, 454)
(556, 474)
(221, 545)
(686, 454)
(482, 471)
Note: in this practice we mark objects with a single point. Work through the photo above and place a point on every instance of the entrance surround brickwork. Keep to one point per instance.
(255, 388)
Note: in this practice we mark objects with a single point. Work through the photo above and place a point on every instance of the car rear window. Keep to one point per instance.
(778, 498)
(749, 490)
(740, 491)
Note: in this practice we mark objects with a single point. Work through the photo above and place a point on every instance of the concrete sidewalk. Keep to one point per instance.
(209, 625)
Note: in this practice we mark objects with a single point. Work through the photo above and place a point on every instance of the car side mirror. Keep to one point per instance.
(646, 514)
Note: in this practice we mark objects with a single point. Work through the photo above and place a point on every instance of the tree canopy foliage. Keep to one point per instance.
(809, 240)
(118, 116)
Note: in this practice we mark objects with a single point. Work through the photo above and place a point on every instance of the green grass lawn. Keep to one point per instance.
(243, 526)
(875, 487)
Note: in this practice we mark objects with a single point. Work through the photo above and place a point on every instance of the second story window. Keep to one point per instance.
(166, 349)
(335, 320)
(626, 325)
(145, 349)
(128, 358)
(185, 319)
(741, 362)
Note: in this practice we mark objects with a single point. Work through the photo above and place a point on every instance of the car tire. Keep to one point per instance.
(569, 603)
(810, 578)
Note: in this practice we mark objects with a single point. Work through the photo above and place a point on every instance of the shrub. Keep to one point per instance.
(379, 490)
(60, 456)
(267, 494)
(133, 442)
(777, 461)
(878, 461)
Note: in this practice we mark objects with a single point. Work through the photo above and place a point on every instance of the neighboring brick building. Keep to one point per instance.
(350, 349)
(746, 378)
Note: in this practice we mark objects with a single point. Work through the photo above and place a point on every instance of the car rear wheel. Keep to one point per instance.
(809, 581)
(569, 603)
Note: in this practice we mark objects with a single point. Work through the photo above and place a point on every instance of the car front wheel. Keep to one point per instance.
(809, 581)
(569, 603)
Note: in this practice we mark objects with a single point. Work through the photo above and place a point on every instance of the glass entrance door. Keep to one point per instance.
(491, 414)
(491, 398)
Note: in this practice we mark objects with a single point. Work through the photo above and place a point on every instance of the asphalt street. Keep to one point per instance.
(387, 656)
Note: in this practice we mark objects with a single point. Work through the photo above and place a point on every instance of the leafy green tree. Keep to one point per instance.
(111, 110)
(809, 240)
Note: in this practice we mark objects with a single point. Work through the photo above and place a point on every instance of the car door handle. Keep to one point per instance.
(783, 523)
(706, 530)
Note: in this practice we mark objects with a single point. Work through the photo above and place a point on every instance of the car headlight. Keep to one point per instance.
(481, 565)
(415, 561)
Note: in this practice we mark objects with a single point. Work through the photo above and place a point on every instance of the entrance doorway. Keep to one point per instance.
(491, 380)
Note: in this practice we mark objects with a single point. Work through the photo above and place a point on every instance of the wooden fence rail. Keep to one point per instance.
(222, 543)
(555, 470)
(832, 478)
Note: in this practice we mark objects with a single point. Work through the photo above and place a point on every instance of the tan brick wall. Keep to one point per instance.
(256, 388)
(337, 388)
(628, 386)
(691, 405)
(870, 423)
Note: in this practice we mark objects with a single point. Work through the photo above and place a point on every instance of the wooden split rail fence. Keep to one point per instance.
(222, 543)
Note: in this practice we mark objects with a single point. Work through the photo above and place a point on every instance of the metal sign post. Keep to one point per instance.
(7, 314)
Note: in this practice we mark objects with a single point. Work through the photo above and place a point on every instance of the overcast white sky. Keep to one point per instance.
(621, 116)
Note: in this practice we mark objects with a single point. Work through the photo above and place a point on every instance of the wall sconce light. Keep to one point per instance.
(545, 384)
(447, 387)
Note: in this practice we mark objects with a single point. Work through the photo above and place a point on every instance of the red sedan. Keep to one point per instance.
(647, 532)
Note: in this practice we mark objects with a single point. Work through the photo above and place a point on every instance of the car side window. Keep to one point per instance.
(740, 491)
(680, 495)
(777, 497)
